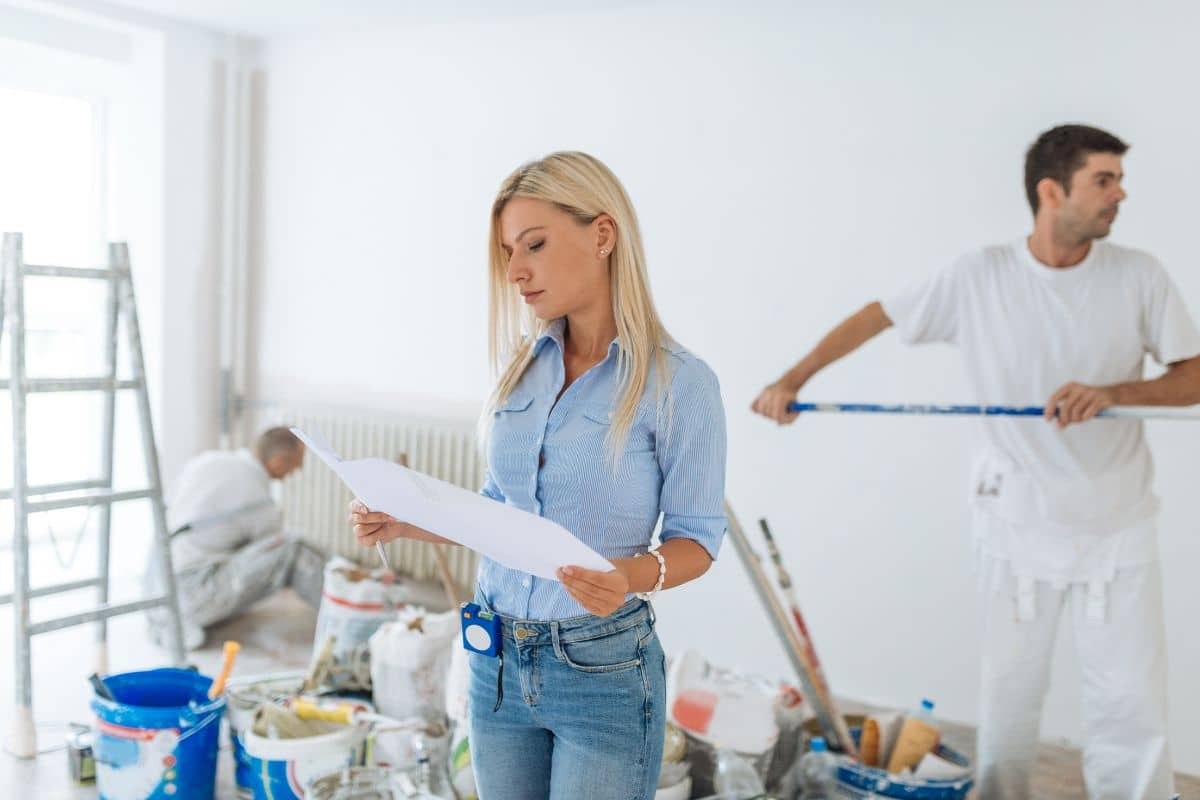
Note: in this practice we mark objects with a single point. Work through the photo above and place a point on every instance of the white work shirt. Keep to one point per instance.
(226, 497)
(1076, 504)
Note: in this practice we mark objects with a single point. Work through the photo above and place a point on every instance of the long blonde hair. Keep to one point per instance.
(582, 186)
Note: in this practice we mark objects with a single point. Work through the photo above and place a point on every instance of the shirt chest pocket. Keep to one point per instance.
(632, 488)
(513, 445)
(600, 419)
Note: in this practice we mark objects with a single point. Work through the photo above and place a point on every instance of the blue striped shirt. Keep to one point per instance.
(551, 459)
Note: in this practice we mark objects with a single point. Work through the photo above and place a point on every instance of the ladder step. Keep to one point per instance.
(46, 271)
(97, 497)
(98, 613)
(54, 488)
(74, 384)
(57, 588)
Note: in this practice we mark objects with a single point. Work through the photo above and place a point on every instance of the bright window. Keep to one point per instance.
(53, 157)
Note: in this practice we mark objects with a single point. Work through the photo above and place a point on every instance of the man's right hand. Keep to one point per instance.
(373, 526)
(772, 402)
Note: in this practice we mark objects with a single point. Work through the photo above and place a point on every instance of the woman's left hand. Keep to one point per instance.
(601, 593)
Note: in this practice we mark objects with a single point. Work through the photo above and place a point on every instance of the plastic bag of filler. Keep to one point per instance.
(409, 661)
(356, 601)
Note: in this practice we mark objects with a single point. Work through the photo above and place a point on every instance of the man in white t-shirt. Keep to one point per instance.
(1064, 511)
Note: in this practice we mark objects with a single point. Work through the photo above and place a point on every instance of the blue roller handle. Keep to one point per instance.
(1118, 412)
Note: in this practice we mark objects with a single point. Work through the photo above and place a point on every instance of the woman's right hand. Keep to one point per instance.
(772, 402)
(373, 526)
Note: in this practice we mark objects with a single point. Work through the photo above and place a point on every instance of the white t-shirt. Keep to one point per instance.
(226, 497)
(1081, 498)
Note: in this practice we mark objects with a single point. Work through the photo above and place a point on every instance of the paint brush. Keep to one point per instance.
(218, 686)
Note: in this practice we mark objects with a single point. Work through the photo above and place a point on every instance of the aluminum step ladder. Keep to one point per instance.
(99, 492)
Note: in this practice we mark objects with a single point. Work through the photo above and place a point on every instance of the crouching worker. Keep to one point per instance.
(228, 546)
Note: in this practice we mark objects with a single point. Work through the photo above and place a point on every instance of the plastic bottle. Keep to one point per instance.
(428, 783)
(734, 777)
(818, 772)
(918, 736)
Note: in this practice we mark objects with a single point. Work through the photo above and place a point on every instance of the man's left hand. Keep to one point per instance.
(1077, 402)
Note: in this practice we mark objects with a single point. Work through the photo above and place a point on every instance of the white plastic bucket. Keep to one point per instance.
(244, 695)
(283, 769)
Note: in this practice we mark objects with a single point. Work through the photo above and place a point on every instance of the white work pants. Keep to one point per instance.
(1120, 643)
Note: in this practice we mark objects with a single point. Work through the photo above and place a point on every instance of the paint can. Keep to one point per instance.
(157, 738)
(285, 769)
(245, 695)
(81, 763)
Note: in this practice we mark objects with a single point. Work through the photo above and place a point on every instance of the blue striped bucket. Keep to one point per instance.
(158, 738)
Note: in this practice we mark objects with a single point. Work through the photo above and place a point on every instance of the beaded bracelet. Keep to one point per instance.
(662, 574)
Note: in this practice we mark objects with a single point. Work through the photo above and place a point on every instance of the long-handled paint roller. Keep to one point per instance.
(787, 633)
(218, 686)
(1116, 412)
(310, 709)
(806, 641)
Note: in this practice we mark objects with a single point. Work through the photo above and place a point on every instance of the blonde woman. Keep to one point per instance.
(602, 423)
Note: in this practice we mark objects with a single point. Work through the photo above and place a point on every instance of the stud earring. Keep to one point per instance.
(603, 252)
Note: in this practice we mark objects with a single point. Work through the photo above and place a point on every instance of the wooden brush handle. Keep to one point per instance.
(218, 685)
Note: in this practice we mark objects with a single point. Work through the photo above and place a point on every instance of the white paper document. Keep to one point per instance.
(512, 537)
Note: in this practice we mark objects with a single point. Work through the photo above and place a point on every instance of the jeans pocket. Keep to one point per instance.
(609, 653)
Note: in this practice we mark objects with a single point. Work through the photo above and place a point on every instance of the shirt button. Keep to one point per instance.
(525, 583)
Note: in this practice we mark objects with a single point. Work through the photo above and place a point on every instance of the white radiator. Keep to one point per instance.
(315, 501)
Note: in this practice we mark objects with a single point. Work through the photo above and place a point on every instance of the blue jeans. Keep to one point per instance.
(583, 714)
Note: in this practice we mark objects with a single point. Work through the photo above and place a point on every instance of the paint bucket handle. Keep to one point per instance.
(204, 723)
(379, 723)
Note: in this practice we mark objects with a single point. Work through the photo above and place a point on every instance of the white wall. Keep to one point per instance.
(192, 104)
(788, 166)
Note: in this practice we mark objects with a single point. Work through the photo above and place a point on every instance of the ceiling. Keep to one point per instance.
(279, 18)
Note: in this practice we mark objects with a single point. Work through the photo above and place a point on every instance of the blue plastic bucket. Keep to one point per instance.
(158, 739)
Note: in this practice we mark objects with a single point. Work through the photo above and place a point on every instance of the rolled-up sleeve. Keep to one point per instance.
(691, 455)
(490, 488)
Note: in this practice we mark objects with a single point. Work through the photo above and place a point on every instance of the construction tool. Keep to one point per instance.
(218, 686)
(790, 638)
(1115, 412)
(100, 687)
(306, 708)
(806, 640)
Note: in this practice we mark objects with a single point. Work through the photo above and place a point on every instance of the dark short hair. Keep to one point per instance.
(1060, 152)
(274, 441)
